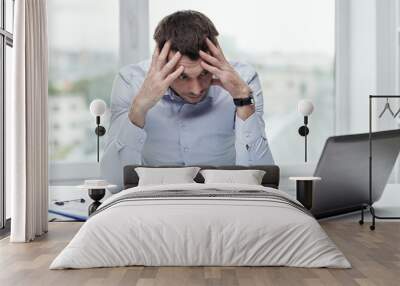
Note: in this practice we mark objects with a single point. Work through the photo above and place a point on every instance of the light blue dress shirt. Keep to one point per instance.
(180, 133)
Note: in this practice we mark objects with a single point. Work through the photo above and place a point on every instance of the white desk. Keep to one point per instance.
(69, 210)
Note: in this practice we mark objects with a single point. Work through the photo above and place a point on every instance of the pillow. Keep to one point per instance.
(162, 176)
(248, 177)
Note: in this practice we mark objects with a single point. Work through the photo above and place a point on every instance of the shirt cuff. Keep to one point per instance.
(131, 135)
(248, 131)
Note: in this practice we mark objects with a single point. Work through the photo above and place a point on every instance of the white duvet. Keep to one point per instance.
(200, 231)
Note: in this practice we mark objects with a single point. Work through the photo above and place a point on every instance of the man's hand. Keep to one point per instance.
(227, 77)
(159, 77)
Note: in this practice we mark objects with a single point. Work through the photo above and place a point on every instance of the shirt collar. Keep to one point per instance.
(171, 95)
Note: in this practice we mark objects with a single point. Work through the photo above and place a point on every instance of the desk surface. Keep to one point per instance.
(73, 210)
(305, 178)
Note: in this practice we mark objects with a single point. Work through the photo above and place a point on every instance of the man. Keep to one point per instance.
(188, 106)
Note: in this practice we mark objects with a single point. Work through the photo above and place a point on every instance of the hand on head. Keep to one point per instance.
(159, 77)
(225, 75)
(163, 72)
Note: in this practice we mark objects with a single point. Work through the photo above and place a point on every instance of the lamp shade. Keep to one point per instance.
(305, 107)
(97, 107)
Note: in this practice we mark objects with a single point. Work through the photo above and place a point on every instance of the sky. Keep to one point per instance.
(253, 25)
(84, 24)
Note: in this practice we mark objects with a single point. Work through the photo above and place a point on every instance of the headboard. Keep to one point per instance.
(270, 179)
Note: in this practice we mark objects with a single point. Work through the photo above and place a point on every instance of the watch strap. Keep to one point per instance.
(244, 101)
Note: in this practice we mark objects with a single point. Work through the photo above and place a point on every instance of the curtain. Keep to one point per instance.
(26, 117)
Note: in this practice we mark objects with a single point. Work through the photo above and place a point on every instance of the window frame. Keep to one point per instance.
(6, 39)
(342, 66)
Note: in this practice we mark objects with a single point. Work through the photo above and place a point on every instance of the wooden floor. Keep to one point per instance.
(375, 257)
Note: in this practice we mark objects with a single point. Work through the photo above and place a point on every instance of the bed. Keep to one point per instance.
(201, 224)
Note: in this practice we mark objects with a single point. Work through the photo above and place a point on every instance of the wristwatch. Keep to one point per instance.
(244, 101)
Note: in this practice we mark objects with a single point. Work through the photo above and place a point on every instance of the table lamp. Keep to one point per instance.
(305, 108)
(97, 109)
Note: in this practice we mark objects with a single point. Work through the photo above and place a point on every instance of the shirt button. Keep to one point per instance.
(141, 140)
(185, 149)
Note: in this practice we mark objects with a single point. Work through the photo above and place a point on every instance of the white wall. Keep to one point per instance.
(362, 61)
(368, 64)
(386, 71)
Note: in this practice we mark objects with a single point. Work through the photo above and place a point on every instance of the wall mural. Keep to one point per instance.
(200, 99)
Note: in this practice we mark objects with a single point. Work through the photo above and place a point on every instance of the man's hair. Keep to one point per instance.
(187, 30)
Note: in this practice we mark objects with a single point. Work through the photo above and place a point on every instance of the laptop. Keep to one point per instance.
(344, 169)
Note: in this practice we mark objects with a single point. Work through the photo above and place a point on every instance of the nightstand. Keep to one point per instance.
(304, 190)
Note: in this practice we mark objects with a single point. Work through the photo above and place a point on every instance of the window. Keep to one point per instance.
(85, 53)
(6, 43)
(291, 45)
(83, 61)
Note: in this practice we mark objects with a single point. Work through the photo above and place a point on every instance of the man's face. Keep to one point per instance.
(192, 85)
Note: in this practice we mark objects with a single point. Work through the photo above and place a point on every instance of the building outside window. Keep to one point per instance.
(83, 61)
